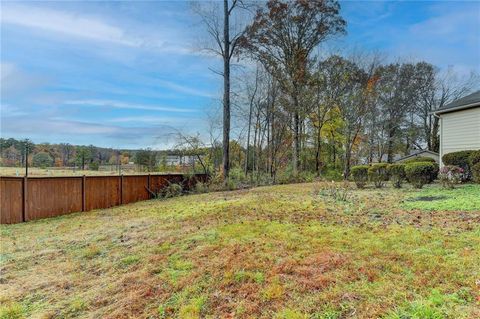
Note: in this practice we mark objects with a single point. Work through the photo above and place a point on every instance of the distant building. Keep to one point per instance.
(460, 125)
(419, 153)
(180, 160)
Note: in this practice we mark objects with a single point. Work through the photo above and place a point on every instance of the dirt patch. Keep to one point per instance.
(426, 198)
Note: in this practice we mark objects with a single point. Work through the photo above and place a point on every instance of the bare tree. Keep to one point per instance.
(439, 89)
(192, 145)
(225, 36)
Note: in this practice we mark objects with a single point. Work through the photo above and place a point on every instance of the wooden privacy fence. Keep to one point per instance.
(23, 199)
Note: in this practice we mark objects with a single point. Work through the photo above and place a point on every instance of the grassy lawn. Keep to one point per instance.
(290, 251)
(465, 198)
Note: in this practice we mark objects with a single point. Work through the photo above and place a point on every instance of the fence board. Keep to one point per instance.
(50, 197)
(158, 182)
(134, 189)
(102, 192)
(11, 200)
(54, 196)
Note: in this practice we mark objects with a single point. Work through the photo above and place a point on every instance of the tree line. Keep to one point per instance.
(15, 153)
(299, 110)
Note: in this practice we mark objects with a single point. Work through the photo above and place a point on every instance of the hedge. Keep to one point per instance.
(419, 173)
(397, 174)
(378, 174)
(474, 160)
(460, 159)
(360, 175)
(420, 159)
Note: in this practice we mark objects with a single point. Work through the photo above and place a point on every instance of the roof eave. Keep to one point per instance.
(457, 108)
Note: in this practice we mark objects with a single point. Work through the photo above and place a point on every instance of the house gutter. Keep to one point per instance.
(457, 108)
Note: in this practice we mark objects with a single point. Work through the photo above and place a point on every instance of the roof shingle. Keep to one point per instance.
(469, 100)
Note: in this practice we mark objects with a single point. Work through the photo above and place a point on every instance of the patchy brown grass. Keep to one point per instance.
(289, 251)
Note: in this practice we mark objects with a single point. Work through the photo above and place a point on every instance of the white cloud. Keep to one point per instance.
(184, 89)
(152, 119)
(65, 23)
(124, 105)
(452, 26)
(69, 24)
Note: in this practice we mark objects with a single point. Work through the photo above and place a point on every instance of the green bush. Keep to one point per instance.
(460, 159)
(417, 159)
(425, 159)
(476, 173)
(360, 175)
(332, 174)
(474, 157)
(201, 187)
(474, 160)
(93, 166)
(172, 190)
(397, 174)
(419, 173)
(378, 174)
(434, 174)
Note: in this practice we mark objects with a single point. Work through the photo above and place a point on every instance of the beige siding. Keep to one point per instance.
(460, 131)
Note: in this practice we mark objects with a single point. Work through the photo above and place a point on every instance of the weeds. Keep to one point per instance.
(259, 253)
(338, 191)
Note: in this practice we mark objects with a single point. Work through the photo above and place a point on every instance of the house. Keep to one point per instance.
(180, 160)
(419, 153)
(460, 125)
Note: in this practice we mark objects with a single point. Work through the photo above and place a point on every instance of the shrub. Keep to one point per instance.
(332, 174)
(420, 159)
(460, 159)
(476, 173)
(172, 190)
(434, 174)
(450, 175)
(397, 174)
(378, 174)
(419, 173)
(93, 166)
(201, 187)
(474, 160)
(360, 175)
(338, 191)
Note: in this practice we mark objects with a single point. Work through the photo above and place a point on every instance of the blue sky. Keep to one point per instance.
(128, 75)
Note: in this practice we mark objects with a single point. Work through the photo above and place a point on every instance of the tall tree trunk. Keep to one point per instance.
(391, 134)
(348, 157)
(248, 138)
(254, 154)
(296, 142)
(226, 92)
(272, 151)
(435, 137)
(318, 152)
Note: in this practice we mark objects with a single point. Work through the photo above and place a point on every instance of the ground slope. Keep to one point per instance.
(292, 251)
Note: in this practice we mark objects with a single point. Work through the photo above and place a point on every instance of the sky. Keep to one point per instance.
(129, 74)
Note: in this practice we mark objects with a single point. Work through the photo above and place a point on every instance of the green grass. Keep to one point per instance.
(462, 198)
(289, 251)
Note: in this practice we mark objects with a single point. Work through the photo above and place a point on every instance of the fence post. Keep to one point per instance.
(84, 196)
(121, 189)
(24, 205)
(148, 186)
